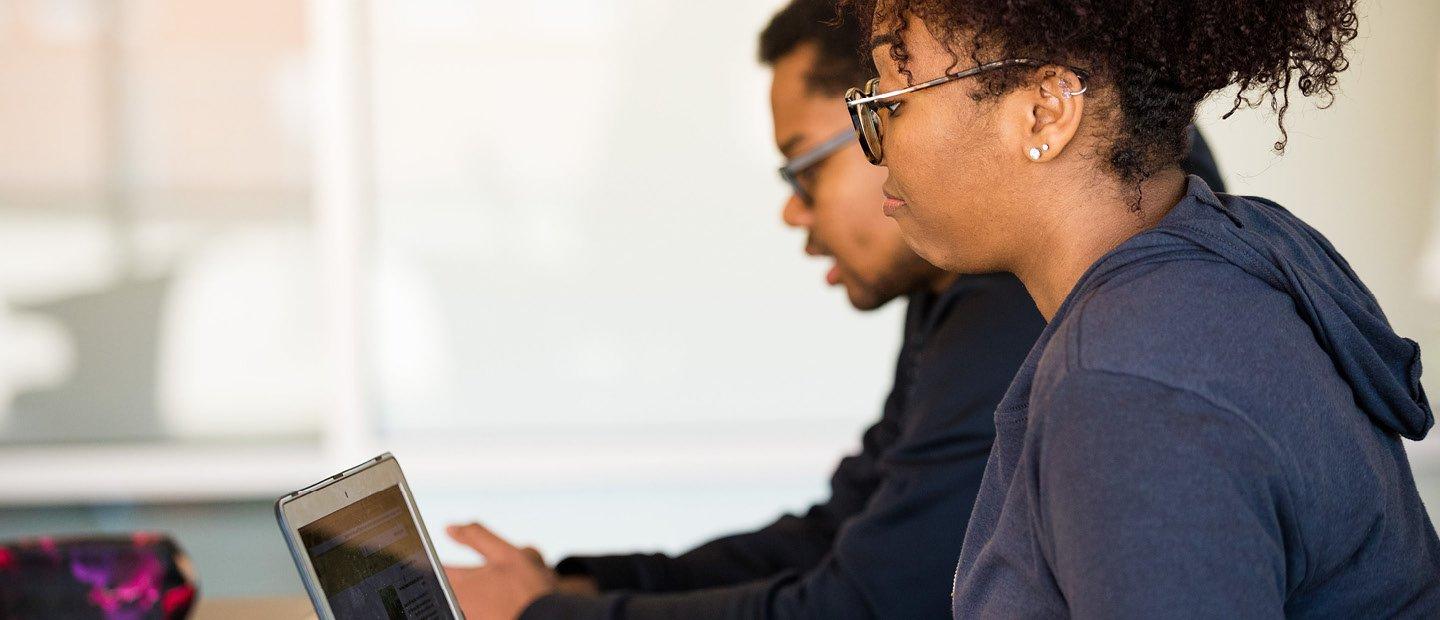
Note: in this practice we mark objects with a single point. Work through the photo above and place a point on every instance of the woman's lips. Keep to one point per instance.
(891, 204)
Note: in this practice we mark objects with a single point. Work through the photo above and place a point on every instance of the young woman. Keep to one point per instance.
(1211, 423)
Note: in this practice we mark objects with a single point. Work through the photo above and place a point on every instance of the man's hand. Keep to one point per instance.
(569, 584)
(510, 580)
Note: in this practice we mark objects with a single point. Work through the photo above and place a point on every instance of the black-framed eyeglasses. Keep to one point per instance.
(864, 103)
(792, 169)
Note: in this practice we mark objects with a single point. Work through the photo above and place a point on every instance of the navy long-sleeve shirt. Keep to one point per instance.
(883, 545)
(1210, 427)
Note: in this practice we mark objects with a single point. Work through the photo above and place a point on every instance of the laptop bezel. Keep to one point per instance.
(309, 504)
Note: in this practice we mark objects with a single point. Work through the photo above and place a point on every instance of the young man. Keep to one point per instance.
(885, 543)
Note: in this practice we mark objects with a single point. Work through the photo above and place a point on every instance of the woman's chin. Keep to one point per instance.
(937, 252)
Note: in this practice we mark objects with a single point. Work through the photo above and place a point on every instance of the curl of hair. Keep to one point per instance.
(1157, 59)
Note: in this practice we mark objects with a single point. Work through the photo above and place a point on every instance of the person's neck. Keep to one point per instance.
(1091, 224)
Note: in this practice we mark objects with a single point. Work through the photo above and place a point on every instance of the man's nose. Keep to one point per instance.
(796, 213)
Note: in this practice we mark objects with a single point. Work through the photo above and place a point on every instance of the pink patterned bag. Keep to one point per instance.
(111, 577)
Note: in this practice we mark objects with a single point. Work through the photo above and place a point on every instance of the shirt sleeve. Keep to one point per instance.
(883, 563)
(1154, 501)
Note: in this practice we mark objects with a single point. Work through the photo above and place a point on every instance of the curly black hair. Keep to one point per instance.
(1157, 58)
(837, 64)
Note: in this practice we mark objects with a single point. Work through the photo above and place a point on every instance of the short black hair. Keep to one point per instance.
(838, 64)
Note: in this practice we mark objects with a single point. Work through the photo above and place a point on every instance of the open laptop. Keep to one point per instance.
(361, 548)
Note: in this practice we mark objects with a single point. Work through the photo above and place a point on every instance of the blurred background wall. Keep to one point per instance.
(532, 248)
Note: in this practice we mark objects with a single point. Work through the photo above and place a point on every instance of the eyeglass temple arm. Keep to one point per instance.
(808, 158)
(989, 66)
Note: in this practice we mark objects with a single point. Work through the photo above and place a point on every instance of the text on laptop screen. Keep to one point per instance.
(372, 563)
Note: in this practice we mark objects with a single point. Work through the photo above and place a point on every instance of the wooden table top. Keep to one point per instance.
(247, 608)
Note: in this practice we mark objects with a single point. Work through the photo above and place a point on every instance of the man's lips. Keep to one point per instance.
(832, 277)
(892, 204)
(814, 248)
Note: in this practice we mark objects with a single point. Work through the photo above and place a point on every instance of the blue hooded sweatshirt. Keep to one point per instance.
(1210, 426)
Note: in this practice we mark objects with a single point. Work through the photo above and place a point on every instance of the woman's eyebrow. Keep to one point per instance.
(884, 39)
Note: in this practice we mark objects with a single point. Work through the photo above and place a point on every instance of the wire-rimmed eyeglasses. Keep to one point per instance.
(864, 103)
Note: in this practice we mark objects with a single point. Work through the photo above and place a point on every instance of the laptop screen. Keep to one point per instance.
(372, 563)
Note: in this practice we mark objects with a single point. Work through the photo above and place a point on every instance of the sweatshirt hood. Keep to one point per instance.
(1267, 242)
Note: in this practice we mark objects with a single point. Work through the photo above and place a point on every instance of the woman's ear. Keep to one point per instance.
(1056, 102)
